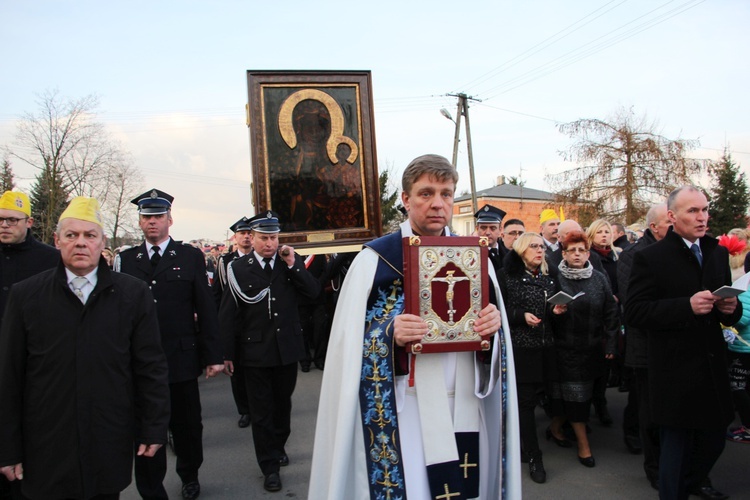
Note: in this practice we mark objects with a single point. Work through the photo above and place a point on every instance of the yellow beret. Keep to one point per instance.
(13, 200)
(83, 208)
(547, 214)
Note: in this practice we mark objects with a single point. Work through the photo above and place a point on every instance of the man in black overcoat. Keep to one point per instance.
(176, 275)
(643, 434)
(82, 372)
(670, 296)
(261, 308)
(21, 256)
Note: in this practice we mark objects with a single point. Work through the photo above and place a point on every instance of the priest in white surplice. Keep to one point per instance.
(441, 426)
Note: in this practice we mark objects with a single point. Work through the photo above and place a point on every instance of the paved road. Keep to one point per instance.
(230, 471)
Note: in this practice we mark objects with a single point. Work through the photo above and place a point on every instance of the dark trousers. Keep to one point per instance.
(649, 430)
(630, 420)
(269, 392)
(528, 399)
(187, 436)
(314, 322)
(239, 391)
(687, 456)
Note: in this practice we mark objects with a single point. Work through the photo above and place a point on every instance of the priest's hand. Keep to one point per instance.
(408, 328)
(12, 472)
(228, 367)
(489, 321)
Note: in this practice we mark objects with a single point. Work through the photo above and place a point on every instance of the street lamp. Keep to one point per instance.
(463, 111)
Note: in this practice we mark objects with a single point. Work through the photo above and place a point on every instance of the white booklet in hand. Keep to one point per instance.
(562, 298)
(737, 288)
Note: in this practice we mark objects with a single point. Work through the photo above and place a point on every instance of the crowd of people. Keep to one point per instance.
(101, 351)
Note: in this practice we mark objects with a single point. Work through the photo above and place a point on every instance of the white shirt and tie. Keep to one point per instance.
(161, 246)
(82, 286)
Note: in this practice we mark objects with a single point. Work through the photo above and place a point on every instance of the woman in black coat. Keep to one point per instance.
(580, 336)
(526, 286)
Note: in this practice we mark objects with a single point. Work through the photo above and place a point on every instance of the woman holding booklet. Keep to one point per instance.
(526, 285)
(580, 334)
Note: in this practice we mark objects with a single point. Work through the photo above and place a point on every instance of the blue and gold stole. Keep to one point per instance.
(377, 395)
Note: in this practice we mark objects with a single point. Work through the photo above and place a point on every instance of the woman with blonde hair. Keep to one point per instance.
(526, 286)
(599, 234)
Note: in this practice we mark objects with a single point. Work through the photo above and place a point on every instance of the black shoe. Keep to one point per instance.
(191, 490)
(562, 443)
(633, 444)
(272, 482)
(603, 415)
(654, 482)
(587, 461)
(284, 460)
(536, 469)
(244, 421)
(320, 365)
(708, 493)
(624, 387)
(305, 367)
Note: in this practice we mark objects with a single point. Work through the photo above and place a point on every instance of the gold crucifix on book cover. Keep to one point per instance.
(446, 283)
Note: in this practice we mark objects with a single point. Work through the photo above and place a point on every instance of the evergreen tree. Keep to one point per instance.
(730, 196)
(48, 200)
(391, 217)
(7, 182)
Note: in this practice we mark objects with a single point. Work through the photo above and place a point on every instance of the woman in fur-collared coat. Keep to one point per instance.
(526, 286)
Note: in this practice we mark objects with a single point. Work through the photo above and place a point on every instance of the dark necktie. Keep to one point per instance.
(697, 252)
(267, 265)
(493, 251)
(155, 258)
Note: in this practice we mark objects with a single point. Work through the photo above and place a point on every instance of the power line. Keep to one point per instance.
(520, 113)
(542, 45)
(586, 50)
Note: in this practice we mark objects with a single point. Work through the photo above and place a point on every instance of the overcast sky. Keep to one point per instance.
(171, 77)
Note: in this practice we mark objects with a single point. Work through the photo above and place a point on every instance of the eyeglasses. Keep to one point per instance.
(514, 233)
(536, 246)
(575, 250)
(11, 221)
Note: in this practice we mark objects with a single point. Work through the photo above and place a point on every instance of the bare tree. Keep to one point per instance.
(123, 183)
(72, 152)
(623, 166)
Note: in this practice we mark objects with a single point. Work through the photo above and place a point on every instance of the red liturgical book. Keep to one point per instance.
(446, 283)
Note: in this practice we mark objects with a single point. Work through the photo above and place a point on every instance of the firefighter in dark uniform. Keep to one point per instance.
(242, 238)
(488, 223)
(21, 256)
(261, 307)
(176, 274)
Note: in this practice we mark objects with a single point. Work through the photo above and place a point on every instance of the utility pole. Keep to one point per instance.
(463, 110)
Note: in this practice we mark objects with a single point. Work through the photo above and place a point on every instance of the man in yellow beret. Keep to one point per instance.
(549, 221)
(82, 371)
(21, 255)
